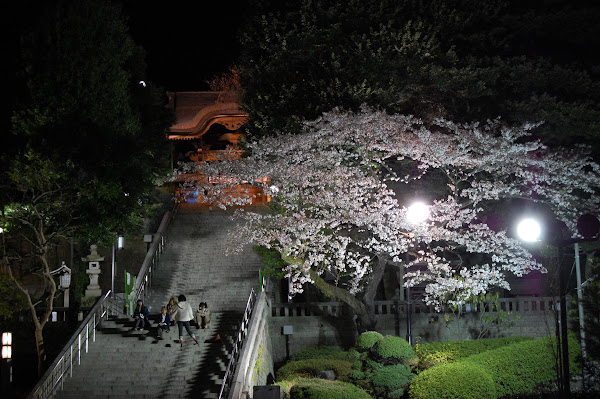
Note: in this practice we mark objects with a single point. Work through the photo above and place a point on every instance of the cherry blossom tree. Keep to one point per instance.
(337, 207)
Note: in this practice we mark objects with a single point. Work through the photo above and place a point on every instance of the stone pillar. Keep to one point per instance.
(93, 289)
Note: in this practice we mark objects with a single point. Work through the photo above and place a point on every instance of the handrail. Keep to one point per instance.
(54, 376)
(144, 277)
(235, 352)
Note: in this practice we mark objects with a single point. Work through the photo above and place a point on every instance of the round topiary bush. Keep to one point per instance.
(395, 348)
(454, 381)
(315, 388)
(368, 339)
(392, 379)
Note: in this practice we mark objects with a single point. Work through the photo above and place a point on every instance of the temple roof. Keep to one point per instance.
(195, 112)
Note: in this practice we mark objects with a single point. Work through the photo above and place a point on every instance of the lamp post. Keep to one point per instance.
(417, 213)
(120, 244)
(65, 281)
(6, 360)
(588, 226)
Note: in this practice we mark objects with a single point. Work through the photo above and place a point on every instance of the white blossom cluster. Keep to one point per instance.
(332, 210)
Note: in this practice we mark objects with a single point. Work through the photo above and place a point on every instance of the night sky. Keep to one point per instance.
(187, 42)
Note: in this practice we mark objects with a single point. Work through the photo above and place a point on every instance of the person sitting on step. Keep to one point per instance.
(203, 316)
(164, 322)
(140, 314)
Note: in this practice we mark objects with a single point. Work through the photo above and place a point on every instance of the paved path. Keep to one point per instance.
(124, 364)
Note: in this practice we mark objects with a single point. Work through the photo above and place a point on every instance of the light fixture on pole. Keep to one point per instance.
(6, 345)
(588, 226)
(417, 213)
(120, 244)
(65, 281)
(6, 360)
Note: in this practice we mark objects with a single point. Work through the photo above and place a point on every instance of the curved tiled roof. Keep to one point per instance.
(197, 111)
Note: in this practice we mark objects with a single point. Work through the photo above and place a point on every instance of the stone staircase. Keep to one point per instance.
(131, 364)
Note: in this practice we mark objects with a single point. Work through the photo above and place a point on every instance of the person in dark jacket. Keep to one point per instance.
(164, 322)
(140, 314)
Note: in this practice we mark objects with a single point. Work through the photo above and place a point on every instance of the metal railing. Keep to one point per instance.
(237, 347)
(54, 377)
(144, 277)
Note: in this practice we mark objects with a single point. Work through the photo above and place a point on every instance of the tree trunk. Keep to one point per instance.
(365, 321)
(39, 344)
(373, 282)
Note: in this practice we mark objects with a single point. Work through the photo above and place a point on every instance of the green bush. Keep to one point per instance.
(312, 368)
(316, 388)
(367, 339)
(319, 352)
(434, 353)
(519, 367)
(373, 365)
(453, 381)
(392, 347)
(392, 378)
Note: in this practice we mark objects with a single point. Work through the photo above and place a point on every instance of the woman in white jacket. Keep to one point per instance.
(183, 314)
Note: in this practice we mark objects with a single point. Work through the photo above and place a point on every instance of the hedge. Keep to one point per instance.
(519, 367)
(316, 388)
(312, 368)
(434, 353)
(454, 381)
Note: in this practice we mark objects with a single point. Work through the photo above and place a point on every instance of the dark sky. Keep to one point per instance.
(187, 42)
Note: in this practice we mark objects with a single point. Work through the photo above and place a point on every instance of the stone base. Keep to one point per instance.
(93, 292)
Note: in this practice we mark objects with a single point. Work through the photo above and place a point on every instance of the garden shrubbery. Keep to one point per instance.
(394, 349)
(316, 388)
(434, 353)
(319, 352)
(460, 380)
(519, 367)
(312, 367)
(382, 367)
(368, 339)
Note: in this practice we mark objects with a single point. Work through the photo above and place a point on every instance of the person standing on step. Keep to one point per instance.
(164, 322)
(140, 314)
(203, 316)
(183, 314)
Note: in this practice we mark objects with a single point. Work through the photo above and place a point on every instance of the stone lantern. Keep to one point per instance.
(93, 271)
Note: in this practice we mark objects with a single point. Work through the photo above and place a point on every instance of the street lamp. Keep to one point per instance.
(65, 281)
(588, 226)
(417, 213)
(120, 244)
(6, 360)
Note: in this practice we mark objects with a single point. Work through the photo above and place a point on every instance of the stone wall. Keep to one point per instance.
(332, 324)
(255, 365)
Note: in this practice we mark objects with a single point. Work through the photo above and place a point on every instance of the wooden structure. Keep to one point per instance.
(206, 129)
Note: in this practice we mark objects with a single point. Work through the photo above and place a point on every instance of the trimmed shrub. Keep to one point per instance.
(373, 365)
(396, 348)
(312, 367)
(434, 353)
(368, 339)
(315, 388)
(519, 367)
(453, 381)
(319, 352)
(392, 378)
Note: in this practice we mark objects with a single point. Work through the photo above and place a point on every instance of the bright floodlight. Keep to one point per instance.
(417, 212)
(529, 230)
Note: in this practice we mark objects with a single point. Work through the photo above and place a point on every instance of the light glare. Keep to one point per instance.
(417, 213)
(529, 230)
